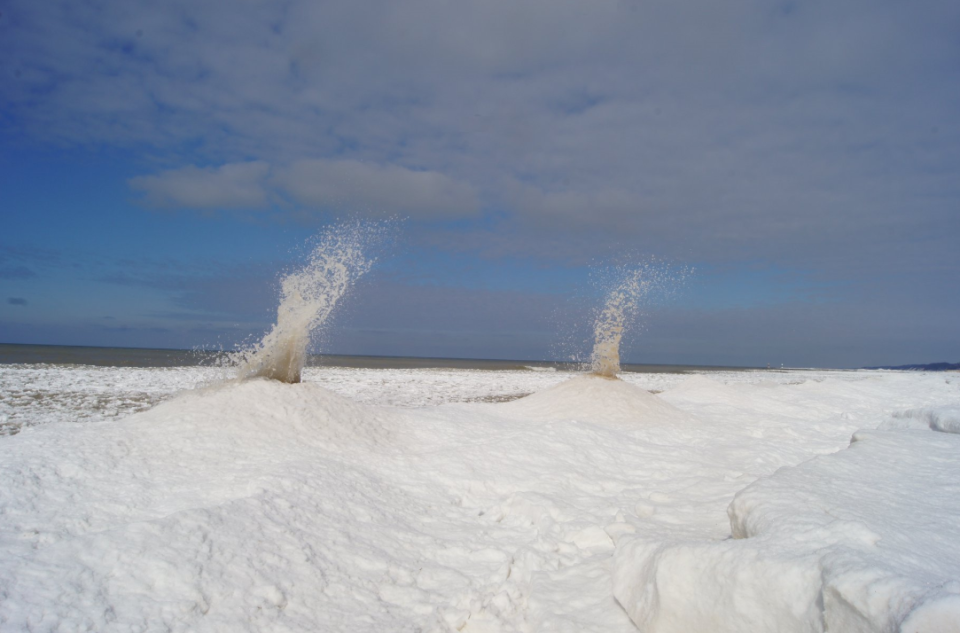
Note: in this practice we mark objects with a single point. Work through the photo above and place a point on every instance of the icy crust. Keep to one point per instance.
(864, 540)
(40, 394)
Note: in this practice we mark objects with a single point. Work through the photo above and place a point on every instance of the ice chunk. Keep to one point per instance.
(863, 540)
(943, 419)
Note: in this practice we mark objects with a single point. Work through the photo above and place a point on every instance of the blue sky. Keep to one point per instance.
(162, 163)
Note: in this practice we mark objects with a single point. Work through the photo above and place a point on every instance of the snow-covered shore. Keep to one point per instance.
(405, 500)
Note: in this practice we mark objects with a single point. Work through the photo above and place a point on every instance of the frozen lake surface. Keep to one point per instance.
(158, 499)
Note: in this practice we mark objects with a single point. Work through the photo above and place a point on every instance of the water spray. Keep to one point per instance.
(631, 288)
(307, 297)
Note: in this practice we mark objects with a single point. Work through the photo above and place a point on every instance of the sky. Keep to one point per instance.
(162, 164)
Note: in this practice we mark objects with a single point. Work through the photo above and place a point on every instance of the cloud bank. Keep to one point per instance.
(332, 186)
(822, 132)
(817, 137)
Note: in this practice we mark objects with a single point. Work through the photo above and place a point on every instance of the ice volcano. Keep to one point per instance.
(599, 396)
(308, 297)
(631, 286)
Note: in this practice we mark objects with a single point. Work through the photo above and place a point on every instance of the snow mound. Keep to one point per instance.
(151, 464)
(863, 540)
(943, 419)
(272, 411)
(604, 401)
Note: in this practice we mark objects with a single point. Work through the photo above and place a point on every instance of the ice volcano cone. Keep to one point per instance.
(598, 400)
(307, 297)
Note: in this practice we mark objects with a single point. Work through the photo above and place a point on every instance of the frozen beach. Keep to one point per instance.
(154, 499)
(479, 317)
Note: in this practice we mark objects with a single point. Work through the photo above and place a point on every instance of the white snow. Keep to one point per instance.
(861, 540)
(433, 500)
(945, 419)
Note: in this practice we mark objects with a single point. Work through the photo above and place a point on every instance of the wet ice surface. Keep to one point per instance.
(41, 394)
(402, 500)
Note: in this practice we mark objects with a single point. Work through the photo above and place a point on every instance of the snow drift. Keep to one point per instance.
(859, 541)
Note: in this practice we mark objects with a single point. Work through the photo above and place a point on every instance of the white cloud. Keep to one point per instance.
(316, 185)
(232, 186)
(376, 190)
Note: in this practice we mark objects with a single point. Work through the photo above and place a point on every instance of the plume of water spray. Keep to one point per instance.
(630, 288)
(307, 297)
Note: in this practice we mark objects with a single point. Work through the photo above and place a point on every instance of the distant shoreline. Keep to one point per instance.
(926, 367)
(20, 353)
